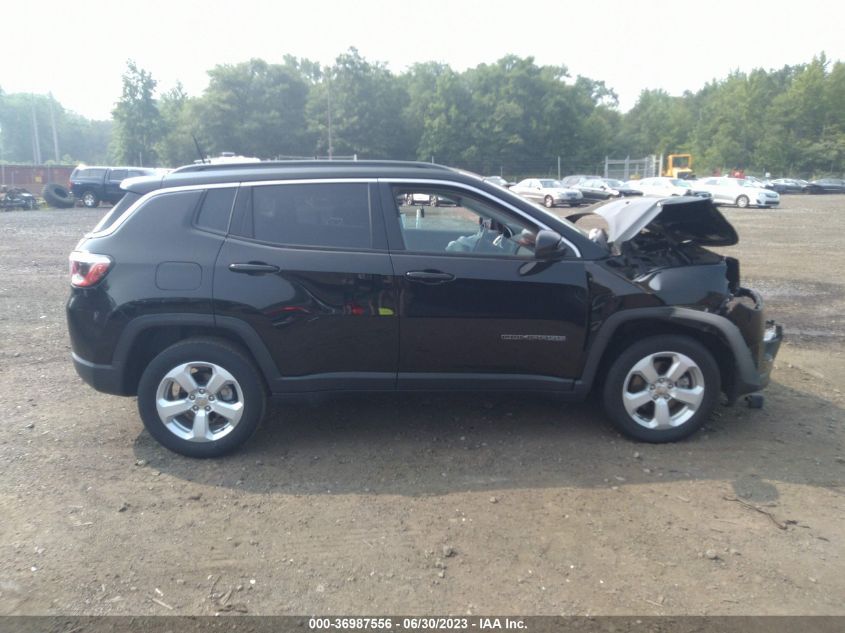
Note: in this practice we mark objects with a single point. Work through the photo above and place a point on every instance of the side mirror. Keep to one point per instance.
(549, 245)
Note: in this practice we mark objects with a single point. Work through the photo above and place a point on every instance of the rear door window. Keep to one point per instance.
(91, 174)
(323, 215)
(117, 175)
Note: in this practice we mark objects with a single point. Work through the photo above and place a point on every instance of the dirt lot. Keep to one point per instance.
(429, 504)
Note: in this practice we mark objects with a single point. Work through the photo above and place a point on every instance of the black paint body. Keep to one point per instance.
(319, 318)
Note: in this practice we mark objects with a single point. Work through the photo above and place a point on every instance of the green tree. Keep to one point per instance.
(79, 139)
(365, 102)
(138, 124)
(255, 108)
(178, 116)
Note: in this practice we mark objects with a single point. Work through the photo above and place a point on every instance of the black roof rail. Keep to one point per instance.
(276, 164)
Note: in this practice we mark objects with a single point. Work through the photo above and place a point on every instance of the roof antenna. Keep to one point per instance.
(203, 157)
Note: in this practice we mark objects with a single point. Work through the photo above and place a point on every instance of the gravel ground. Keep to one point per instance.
(428, 504)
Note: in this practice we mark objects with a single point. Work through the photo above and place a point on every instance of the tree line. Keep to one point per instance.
(513, 117)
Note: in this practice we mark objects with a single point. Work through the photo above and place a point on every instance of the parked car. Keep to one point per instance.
(622, 187)
(738, 191)
(787, 185)
(424, 199)
(205, 291)
(662, 186)
(93, 185)
(498, 180)
(548, 192)
(826, 185)
(576, 179)
(596, 189)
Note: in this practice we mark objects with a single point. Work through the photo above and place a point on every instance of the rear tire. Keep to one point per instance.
(661, 389)
(201, 397)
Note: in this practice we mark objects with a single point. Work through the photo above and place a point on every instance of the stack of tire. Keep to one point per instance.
(58, 196)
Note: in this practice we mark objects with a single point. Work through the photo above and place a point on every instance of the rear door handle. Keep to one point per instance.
(254, 268)
(429, 276)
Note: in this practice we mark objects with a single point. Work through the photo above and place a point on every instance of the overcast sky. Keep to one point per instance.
(78, 49)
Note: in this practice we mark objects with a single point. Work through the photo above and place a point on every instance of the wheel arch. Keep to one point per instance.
(721, 337)
(145, 337)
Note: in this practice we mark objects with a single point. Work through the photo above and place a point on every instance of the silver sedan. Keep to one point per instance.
(548, 192)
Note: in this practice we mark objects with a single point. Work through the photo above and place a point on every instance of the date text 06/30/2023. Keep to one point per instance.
(417, 623)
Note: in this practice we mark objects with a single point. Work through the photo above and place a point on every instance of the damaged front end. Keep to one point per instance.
(659, 246)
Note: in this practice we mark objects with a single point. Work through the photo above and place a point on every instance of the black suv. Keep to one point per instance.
(209, 289)
(93, 185)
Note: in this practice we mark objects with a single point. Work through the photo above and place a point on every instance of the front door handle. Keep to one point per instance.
(429, 276)
(254, 268)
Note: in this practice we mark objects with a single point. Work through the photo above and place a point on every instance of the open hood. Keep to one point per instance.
(680, 219)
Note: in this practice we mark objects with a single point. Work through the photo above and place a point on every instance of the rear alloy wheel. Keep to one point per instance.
(201, 398)
(90, 199)
(549, 202)
(662, 389)
(742, 202)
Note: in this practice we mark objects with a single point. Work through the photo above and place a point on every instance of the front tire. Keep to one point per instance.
(90, 199)
(201, 397)
(549, 202)
(742, 202)
(662, 389)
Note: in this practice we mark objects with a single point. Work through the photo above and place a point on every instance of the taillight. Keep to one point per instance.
(87, 269)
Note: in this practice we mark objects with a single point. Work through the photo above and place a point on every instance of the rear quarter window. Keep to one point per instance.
(116, 211)
(216, 209)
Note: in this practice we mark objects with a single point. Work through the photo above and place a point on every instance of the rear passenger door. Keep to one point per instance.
(306, 266)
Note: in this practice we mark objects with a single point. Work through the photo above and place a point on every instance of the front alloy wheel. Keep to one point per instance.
(662, 388)
(742, 202)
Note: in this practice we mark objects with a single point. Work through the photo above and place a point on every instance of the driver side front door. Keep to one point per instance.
(474, 314)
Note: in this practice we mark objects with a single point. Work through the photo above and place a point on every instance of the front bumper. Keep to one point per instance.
(772, 338)
(762, 338)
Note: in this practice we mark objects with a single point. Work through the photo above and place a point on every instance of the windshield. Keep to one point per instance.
(551, 184)
(614, 183)
(748, 183)
(680, 183)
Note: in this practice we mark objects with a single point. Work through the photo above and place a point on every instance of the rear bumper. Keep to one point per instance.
(103, 378)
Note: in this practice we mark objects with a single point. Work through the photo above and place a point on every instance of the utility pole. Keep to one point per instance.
(36, 142)
(55, 135)
(558, 167)
(2, 162)
(329, 79)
